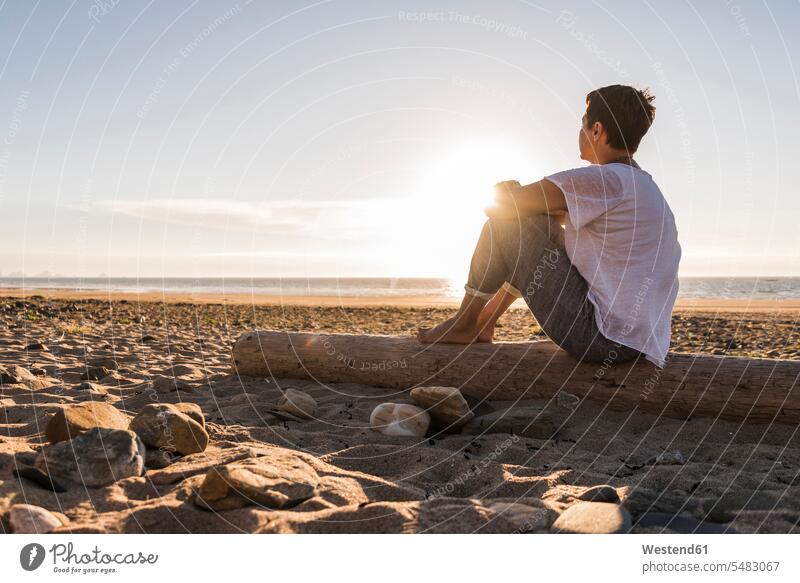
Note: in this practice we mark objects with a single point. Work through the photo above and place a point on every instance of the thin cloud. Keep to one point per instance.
(344, 218)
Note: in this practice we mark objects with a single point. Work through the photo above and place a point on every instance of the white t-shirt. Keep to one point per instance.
(621, 237)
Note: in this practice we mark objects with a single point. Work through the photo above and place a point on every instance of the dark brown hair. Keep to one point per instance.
(625, 112)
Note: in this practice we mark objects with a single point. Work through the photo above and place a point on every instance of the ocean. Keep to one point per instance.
(767, 288)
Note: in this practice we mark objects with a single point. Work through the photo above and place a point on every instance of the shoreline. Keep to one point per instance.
(682, 305)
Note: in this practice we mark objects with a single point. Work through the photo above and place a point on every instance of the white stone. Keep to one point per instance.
(400, 420)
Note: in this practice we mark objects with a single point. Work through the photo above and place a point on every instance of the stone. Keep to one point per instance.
(95, 373)
(668, 458)
(593, 518)
(523, 517)
(75, 419)
(400, 420)
(446, 405)
(298, 403)
(38, 477)
(682, 524)
(164, 426)
(157, 459)
(193, 410)
(602, 493)
(278, 480)
(526, 421)
(568, 400)
(36, 346)
(29, 519)
(95, 458)
(15, 375)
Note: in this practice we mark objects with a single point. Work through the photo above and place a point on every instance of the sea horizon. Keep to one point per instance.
(721, 287)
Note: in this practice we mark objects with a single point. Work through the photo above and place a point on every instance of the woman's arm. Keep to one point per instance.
(540, 198)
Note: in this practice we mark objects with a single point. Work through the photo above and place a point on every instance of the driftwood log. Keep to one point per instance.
(756, 390)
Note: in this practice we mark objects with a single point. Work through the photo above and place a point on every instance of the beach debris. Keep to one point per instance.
(601, 493)
(593, 518)
(400, 420)
(30, 519)
(523, 517)
(277, 480)
(527, 421)
(668, 458)
(73, 420)
(157, 459)
(298, 403)
(38, 477)
(165, 426)
(568, 400)
(97, 457)
(446, 405)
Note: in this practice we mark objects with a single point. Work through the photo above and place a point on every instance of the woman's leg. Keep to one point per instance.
(488, 279)
(460, 329)
(492, 311)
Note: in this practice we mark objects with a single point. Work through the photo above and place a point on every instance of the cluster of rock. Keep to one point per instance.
(445, 409)
(94, 444)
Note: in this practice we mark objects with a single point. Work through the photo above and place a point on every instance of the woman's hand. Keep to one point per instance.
(504, 206)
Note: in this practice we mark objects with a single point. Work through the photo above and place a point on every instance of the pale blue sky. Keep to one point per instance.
(359, 138)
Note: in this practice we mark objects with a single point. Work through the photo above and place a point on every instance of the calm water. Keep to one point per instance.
(695, 287)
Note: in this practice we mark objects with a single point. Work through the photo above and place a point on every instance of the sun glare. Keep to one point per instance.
(454, 191)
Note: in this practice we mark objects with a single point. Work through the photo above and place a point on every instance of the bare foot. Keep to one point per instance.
(486, 330)
(451, 331)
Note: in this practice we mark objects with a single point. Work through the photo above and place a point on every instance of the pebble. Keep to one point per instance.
(593, 518)
(95, 373)
(98, 457)
(164, 426)
(298, 403)
(602, 493)
(400, 420)
(157, 459)
(446, 405)
(75, 419)
(526, 421)
(669, 458)
(524, 518)
(568, 400)
(29, 519)
(278, 480)
(36, 346)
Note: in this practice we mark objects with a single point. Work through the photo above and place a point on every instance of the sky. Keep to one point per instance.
(352, 139)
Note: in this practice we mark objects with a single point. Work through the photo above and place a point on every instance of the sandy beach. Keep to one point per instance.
(60, 349)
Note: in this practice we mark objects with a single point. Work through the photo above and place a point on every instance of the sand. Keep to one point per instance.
(731, 476)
